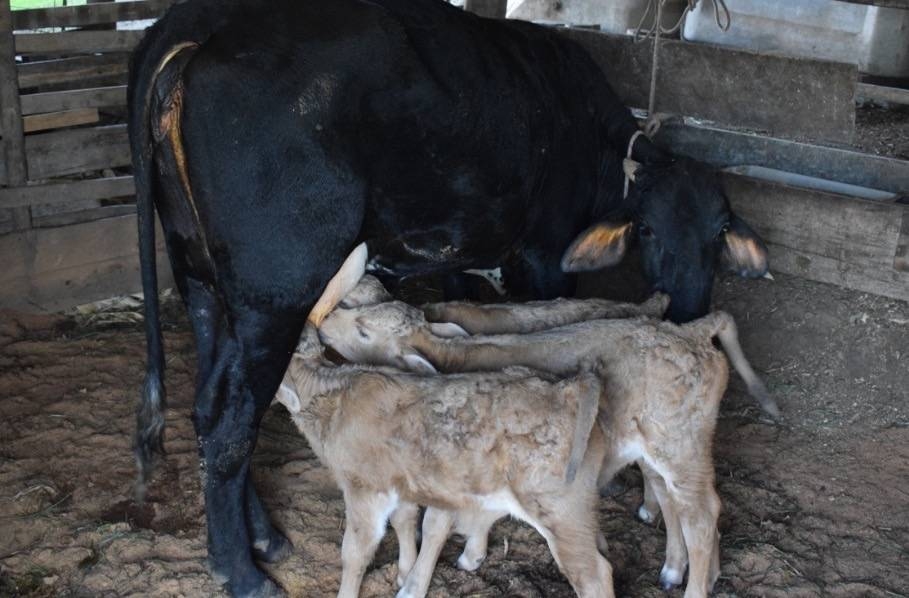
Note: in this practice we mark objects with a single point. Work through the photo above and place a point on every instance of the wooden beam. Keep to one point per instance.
(58, 120)
(885, 3)
(11, 115)
(49, 269)
(722, 148)
(782, 95)
(77, 42)
(69, 70)
(79, 216)
(880, 93)
(487, 8)
(826, 237)
(88, 189)
(88, 14)
(77, 150)
(74, 99)
(901, 261)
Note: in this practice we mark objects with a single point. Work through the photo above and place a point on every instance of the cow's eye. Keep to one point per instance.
(723, 230)
(363, 334)
(644, 230)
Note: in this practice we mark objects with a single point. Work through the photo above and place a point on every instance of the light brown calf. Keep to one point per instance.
(510, 442)
(664, 383)
(533, 316)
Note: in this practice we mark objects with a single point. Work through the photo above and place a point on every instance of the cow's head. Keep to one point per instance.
(682, 220)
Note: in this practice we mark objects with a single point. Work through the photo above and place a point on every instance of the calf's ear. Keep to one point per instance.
(447, 329)
(288, 397)
(743, 250)
(600, 246)
(416, 363)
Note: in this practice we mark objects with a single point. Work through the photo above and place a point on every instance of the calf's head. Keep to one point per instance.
(686, 229)
(383, 334)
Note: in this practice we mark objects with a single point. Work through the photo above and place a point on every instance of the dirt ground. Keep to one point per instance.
(813, 506)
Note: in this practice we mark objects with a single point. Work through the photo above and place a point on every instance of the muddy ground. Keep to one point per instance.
(813, 506)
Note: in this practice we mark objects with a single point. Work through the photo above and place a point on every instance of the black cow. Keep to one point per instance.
(273, 136)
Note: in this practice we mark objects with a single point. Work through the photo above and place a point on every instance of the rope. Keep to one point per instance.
(691, 4)
(628, 157)
(656, 31)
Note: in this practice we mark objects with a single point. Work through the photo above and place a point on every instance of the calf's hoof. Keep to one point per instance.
(645, 515)
(466, 563)
(614, 487)
(274, 550)
(671, 578)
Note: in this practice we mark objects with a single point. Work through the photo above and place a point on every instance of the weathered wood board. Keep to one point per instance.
(59, 120)
(88, 14)
(77, 42)
(72, 191)
(790, 97)
(76, 150)
(831, 238)
(50, 269)
(74, 99)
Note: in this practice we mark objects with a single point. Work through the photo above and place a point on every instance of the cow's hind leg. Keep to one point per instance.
(249, 361)
(206, 313)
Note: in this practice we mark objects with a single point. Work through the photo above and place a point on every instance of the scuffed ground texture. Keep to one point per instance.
(814, 506)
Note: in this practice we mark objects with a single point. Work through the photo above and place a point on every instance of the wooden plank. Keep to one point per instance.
(782, 95)
(901, 261)
(74, 99)
(487, 8)
(722, 148)
(16, 169)
(880, 93)
(58, 120)
(826, 237)
(88, 189)
(885, 3)
(51, 269)
(76, 150)
(68, 70)
(77, 42)
(88, 14)
(79, 216)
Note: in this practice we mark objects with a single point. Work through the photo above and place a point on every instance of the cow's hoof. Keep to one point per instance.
(273, 551)
(254, 585)
(670, 578)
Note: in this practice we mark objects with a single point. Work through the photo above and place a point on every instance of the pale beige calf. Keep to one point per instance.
(664, 383)
(533, 316)
(486, 444)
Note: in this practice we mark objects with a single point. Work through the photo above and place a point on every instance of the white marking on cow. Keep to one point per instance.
(494, 277)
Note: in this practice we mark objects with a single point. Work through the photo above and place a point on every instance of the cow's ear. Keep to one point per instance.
(600, 246)
(743, 250)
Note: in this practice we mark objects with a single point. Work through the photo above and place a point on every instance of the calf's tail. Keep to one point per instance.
(723, 327)
(588, 389)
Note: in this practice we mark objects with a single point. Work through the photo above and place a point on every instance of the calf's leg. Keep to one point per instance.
(436, 527)
(474, 524)
(673, 571)
(404, 522)
(366, 517)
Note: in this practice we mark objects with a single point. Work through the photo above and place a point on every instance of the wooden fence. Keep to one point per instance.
(67, 223)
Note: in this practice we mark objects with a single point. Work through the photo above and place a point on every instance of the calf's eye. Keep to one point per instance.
(644, 230)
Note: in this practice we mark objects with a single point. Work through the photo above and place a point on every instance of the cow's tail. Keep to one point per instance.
(722, 325)
(162, 41)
